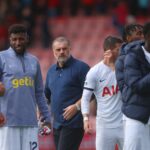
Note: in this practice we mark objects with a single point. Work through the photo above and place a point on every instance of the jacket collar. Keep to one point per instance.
(12, 51)
(140, 55)
(133, 45)
(68, 62)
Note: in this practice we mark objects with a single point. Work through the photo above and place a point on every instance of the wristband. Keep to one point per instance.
(85, 118)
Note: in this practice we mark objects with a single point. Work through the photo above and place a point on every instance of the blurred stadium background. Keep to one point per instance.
(85, 22)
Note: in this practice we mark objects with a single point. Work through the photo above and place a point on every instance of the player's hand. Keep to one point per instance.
(2, 89)
(70, 111)
(108, 60)
(107, 56)
(87, 127)
(45, 128)
(48, 124)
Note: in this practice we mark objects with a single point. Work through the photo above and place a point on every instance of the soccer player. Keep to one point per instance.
(136, 95)
(101, 80)
(64, 87)
(21, 76)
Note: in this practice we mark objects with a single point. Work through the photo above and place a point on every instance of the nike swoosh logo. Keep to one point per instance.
(102, 80)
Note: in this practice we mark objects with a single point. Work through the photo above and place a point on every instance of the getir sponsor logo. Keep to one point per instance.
(110, 90)
(26, 81)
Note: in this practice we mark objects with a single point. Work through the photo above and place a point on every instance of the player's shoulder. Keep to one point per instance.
(31, 57)
(96, 68)
(99, 66)
(5, 52)
(133, 45)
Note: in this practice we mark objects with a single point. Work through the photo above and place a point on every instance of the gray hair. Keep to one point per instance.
(61, 39)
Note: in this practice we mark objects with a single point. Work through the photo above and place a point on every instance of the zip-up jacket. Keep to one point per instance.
(136, 91)
(21, 76)
(119, 65)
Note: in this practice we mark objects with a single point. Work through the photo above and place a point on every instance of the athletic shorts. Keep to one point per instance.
(107, 138)
(19, 138)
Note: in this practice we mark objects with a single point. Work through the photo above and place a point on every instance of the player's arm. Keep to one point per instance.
(2, 87)
(85, 108)
(2, 92)
(89, 87)
(40, 97)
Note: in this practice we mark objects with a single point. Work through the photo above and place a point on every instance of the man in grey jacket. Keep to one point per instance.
(21, 76)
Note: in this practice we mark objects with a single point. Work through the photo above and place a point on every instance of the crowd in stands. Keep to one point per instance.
(37, 13)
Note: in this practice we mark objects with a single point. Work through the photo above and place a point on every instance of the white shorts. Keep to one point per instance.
(15, 138)
(107, 138)
(137, 135)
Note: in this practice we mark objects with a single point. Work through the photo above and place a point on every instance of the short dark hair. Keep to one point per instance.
(17, 28)
(129, 29)
(146, 29)
(110, 42)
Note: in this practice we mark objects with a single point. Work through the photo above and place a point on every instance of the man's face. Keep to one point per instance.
(136, 35)
(61, 51)
(115, 51)
(18, 41)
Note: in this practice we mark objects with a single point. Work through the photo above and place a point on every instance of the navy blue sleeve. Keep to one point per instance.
(133, 77)
(119, 68)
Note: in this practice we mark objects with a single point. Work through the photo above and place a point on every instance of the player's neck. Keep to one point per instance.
(110, 64)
